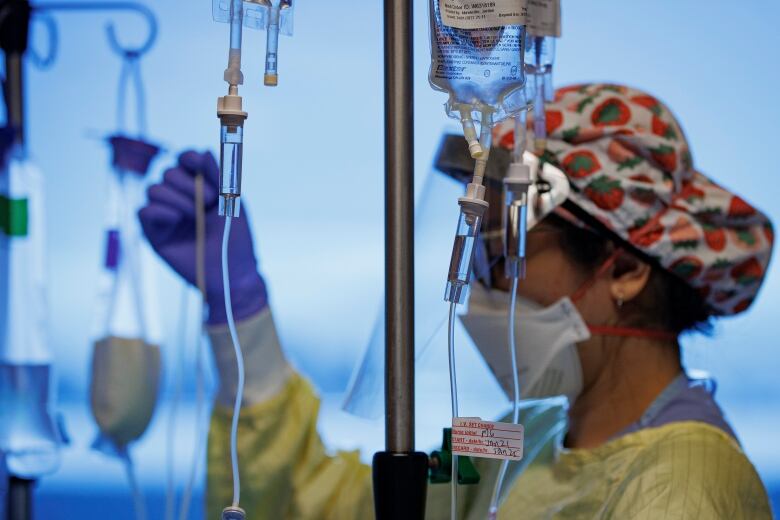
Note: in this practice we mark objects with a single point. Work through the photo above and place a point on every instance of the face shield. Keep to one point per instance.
(436, 211)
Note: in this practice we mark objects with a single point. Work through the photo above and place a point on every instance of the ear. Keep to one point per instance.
(630, 277)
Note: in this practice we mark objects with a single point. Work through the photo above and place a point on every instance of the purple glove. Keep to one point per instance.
(168, 221)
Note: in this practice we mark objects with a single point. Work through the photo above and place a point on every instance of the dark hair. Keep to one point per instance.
(666, 302)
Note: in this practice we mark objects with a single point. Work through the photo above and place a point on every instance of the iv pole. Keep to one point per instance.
(14, 31)
(399, 473)
(15, 21)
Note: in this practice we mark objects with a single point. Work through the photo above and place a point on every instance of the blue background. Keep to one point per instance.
(313, 183)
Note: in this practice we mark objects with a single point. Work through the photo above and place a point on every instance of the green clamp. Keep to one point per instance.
(13, 216)
(440, 471)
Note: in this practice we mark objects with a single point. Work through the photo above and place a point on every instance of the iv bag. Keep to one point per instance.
(481, 69)
(29, 440)
(257, 13)
(125, 364)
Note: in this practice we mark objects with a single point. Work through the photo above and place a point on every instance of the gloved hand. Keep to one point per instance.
(168, 221)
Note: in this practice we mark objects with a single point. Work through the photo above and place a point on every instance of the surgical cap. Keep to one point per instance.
(631, 169)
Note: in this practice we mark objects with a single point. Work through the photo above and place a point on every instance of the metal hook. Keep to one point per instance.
(150, 39)
(130, 52)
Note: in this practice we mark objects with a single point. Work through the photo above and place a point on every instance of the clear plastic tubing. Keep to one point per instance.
(493, 511)
(138, 498)
(239, 366)
(236, 25)
(520, 136)
(454, 401)
(271, 77)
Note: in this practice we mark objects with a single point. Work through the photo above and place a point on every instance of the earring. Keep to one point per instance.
(619, 301)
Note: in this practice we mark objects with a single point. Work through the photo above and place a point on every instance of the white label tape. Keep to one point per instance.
(493, 440)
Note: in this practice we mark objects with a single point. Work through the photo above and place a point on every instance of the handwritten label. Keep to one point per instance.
(493, 440)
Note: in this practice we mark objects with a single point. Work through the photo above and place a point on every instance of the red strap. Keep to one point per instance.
(627, 332)
(609, 262)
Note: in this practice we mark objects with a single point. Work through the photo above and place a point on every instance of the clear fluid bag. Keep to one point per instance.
(481, 69)
(29, 437)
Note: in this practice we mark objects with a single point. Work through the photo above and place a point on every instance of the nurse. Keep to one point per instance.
(644, 248)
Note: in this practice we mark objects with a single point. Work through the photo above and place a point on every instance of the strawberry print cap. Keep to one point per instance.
(630, 167)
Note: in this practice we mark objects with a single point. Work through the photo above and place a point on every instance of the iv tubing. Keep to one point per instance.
(485, 142)
(200, 282)
(233, 73)
(520, 136)
(239, 365)
(170, 428)
(493, 511)
(138, 498)
(454, 400)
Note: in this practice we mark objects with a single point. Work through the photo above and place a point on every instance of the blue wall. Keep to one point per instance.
(716, 68)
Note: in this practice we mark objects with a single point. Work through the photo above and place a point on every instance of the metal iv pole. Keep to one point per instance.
(400, 473)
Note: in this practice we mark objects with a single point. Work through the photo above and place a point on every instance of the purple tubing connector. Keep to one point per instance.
(132, 154)
(112, 249)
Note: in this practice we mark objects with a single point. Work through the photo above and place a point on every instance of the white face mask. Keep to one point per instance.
(547, 359)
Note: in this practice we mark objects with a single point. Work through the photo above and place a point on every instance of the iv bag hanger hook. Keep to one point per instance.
(145, 12)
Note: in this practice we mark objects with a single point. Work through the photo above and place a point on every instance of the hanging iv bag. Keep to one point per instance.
(125, 364)
(29, 439)
(480, 67)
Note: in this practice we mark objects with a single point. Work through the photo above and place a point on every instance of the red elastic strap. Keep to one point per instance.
(609, 262)
(627, 332)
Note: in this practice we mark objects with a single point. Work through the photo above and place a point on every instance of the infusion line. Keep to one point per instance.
(493, 511)
(138, 498)
(239, 367)
(454, 401)
(200, 283)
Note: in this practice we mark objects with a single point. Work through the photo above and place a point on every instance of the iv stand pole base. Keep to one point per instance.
(400, 485)
(19, 506)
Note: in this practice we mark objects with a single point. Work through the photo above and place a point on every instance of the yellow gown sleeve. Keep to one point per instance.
(696, 472)
(285, 471)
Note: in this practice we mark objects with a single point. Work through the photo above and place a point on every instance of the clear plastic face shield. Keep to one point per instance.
(433, 246)
(484, 363)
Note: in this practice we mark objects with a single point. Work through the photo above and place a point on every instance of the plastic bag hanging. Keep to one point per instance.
(29, 439)
(125, 364)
